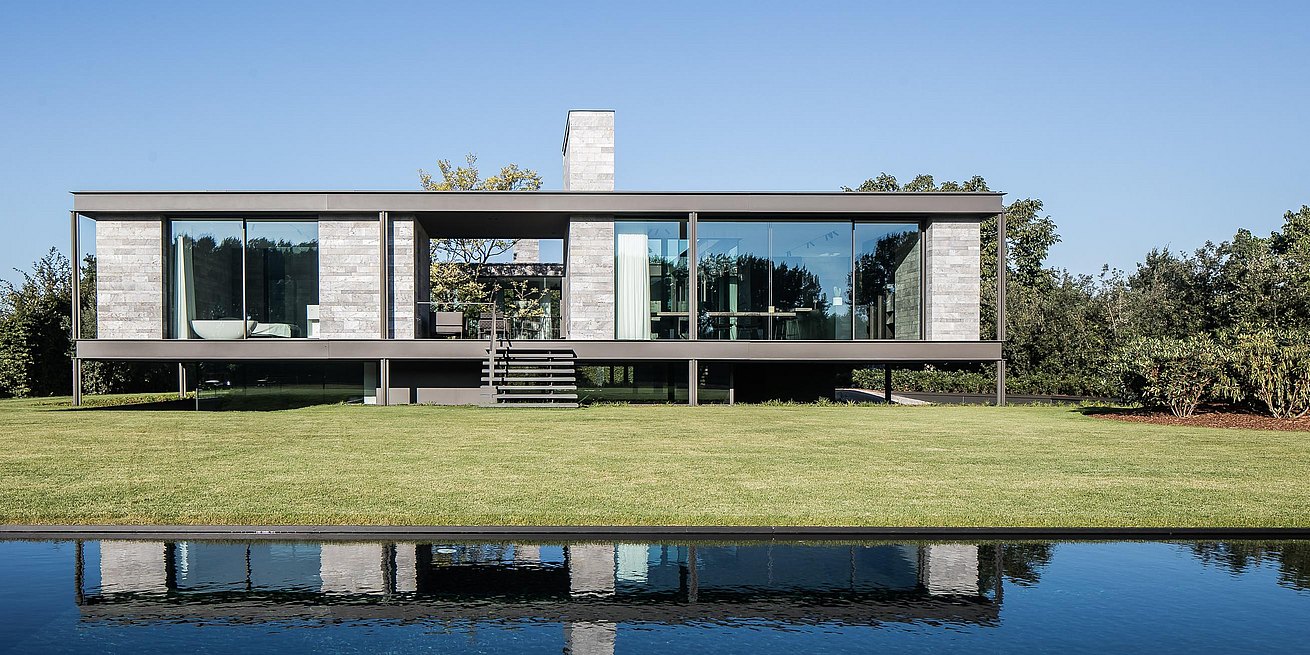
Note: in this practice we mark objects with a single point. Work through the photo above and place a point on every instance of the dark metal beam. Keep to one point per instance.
(190, 350)
(975, 205)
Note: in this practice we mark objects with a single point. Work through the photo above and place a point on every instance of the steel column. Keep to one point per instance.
(384, 282)
(1001, 268)
(77, 382)
(384, 382)
(693, 380)
(693, 283)
(887, 383)
(76, 307)
(76, 259)
(181, 380)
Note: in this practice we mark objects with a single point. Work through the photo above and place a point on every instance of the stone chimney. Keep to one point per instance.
(588, 164)
(589, 150)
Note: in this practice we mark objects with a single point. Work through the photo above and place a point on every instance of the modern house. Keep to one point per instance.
(656, 296)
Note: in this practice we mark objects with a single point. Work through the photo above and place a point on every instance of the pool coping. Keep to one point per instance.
(621, 533)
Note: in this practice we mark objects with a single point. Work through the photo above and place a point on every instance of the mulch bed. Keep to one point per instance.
(1206, 417)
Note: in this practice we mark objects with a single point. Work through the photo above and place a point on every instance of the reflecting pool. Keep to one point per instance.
(593, 598)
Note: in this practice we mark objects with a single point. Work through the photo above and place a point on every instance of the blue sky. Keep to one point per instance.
(1139, 124)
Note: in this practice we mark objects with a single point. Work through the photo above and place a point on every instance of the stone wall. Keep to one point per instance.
(589, 262)
(953, 284)
(589, 311)
(404, 279)
(348, 292)
(589, 151)
(908, 278)
(130, 277)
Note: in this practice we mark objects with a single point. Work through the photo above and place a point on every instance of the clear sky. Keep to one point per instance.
(1139, 124)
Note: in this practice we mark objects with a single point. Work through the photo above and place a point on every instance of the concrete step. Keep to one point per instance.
(513, 388)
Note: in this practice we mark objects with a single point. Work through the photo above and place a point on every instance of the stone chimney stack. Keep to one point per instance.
(589, 150)
(588, 163)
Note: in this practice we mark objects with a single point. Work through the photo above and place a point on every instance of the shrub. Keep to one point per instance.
(1274, 369)
(1173, 373)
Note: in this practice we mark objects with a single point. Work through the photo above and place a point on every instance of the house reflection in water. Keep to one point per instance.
(588, 588)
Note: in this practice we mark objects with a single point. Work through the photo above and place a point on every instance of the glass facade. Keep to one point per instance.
(266, 385)
(645, 382)
(232, 279)
(733, 278)
(282, 277)
(651, 279)
(888, 281)
(808, 280)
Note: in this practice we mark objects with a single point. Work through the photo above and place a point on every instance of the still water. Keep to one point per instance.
(115, 596)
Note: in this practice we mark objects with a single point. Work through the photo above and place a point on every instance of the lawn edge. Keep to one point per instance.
(627, 532)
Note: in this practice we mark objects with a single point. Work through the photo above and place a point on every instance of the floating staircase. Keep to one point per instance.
(523, 376)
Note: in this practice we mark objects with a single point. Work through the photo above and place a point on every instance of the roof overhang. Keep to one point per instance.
(961, 205)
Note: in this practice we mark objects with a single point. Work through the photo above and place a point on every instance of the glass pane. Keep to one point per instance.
(651, 279)
(648, 382)
(733, 276)
(282, 278)
(529, 304)
(205, 280)
(86, 271)
(811, 280)
(888, 281)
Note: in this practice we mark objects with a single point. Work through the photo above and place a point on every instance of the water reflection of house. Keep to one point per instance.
(589, 588)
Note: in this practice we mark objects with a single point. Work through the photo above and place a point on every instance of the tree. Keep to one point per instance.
(35, 319)
(458, 263)
(1029, 237)
(475, 252)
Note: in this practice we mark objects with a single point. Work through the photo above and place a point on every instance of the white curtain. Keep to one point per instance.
(184, 289)
(633, 292)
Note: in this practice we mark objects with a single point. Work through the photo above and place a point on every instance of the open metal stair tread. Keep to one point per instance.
(537, 387)
(529, 370)
(556, 405)
(502, 363)
(537, 395)
(531, 377)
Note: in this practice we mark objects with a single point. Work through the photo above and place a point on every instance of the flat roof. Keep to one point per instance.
(963, 205)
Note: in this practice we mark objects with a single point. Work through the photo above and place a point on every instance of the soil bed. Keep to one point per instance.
(1210, 417)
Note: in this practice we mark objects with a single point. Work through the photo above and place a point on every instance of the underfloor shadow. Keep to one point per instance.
(159, 406)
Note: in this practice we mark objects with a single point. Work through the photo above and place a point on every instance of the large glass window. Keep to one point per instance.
(282, 278)
(888, 281)
(205, 260)
(808, 280)
(231, 279)
(811, 280)
(651, 280)
(733, 275)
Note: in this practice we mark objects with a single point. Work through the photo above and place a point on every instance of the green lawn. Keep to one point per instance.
(654, 465)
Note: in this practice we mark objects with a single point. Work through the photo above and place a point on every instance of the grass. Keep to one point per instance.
(653, 465)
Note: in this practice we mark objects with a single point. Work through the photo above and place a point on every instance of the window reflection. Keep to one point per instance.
(231, 279)
(651, 279)
(205, 259)
(888, 281)
(733, 276)
(792, 280)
